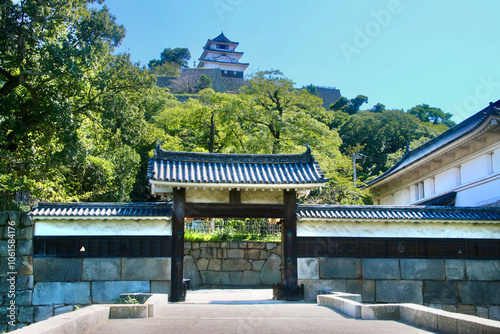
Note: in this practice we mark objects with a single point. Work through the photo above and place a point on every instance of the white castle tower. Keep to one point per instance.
(220, 53)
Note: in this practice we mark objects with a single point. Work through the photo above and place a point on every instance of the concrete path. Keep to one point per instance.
(248, 311)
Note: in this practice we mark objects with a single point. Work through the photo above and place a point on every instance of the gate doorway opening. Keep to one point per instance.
(212, 185)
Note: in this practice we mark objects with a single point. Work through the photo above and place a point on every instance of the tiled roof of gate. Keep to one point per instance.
(247, 169)
(444, 139)
(421, 213)
(102, 210)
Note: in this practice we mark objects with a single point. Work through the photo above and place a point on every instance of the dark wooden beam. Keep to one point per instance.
(235, 196)
(289, 240)
(229, 210)
(177, 265)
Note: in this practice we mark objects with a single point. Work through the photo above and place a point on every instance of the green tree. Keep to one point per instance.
(165, 69)
(60, 84)
(433, 115)
(381, 134)
(204, 82)
(178, 57)
(398, 155)
(378, 108)
(311, 89)
(349, 106)
(285, 115)
(206, 124)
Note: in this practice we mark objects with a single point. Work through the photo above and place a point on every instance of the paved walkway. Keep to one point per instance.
(248, 311)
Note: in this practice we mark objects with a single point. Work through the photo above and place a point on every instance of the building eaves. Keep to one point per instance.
(241, 169)
(398, 213)
(446, 138)
(88, 210)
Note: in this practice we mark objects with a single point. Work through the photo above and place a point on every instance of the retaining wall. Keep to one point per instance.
(464, 286)
(16, 270)
(232, 263)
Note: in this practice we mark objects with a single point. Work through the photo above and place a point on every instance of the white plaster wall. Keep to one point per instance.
(413, 193)
(261, 197)
(480, 194)
(207, 196)
(429, 189)
(102, 227)
(313, 228)
(475, 168)
(447, 180)
(387, 200)
(210, 65)
(496, 161)
(402, 197)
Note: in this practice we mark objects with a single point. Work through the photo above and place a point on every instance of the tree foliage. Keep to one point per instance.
(433, 115)
(349, 106)
(170, 61)
(66, 101)
(78, 122)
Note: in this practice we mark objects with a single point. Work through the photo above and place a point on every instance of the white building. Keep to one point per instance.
(460, 167)
(220, 53)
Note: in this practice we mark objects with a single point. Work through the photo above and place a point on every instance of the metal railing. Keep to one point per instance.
(257, 226)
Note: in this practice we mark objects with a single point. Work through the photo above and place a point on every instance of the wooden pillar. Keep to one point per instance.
(177, 266)
(289, 241)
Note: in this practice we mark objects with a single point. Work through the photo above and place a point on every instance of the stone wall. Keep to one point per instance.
(232, 263)
(41, 287)
(16, 270)
(464, 286)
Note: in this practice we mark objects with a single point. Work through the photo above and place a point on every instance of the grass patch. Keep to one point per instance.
(227, 235)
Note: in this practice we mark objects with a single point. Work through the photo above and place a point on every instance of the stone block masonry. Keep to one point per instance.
(232, 263)
(43, 287)
(457, 285)
(16, 271)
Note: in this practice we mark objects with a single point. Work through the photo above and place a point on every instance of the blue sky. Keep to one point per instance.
(400, 53)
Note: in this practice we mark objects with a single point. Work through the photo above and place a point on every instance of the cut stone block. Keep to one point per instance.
(314, 287)
(444, 292)
(380, 268)
(479, 293)
(257, 265)
(236, 253)
(57, 269)
(236, 265)
(101, 269)
(271, 273)
(202, 264)
(494, 312)
(43, 313)
(214, 265)
(421, 269)
(308, 268)
(110, 291)
(483, 270)
(24, 298)
(215, 278)
(128, 311)
(339, 268)
(162, 287)
(62, 310)
(393, 291)
(455, 269)
(191, 272)
(365, 288)
(26, 314)
(46, 293)
(146, 269)
(24, 248)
